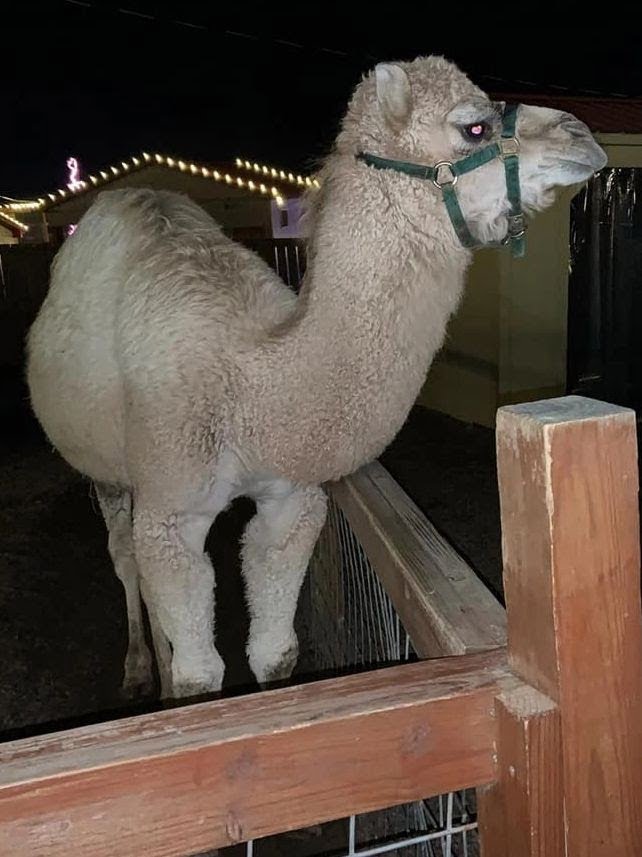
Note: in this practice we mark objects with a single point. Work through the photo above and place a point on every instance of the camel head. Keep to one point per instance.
(489, 163)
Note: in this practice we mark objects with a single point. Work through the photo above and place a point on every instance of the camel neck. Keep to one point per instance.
(380, 287)
(382, 257)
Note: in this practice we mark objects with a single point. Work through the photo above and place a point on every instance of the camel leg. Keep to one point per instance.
(116, 506)
(177, 582)
(278, 543)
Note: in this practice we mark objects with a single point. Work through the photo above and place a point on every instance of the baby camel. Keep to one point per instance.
(173, 367)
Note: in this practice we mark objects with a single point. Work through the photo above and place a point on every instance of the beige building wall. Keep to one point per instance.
(507, 343)
(7, 236)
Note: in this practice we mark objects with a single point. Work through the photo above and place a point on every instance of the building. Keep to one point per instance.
(11, 228)
(250, 200)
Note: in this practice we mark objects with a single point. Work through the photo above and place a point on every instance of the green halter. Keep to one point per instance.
(445, 174)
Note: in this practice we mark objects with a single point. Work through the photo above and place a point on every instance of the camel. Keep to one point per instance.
(172, 367)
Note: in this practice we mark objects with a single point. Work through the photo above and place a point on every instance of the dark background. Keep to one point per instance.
(211, 80)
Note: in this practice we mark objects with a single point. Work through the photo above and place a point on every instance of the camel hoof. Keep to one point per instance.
(269, 672)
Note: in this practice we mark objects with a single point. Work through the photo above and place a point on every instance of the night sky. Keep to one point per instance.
(212, 80)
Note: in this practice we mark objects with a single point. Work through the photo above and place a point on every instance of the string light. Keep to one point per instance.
(144, 159)
(31, 205)
(264, 169)
(13, 221)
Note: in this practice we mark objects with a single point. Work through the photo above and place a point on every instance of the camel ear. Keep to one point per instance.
(393, 94)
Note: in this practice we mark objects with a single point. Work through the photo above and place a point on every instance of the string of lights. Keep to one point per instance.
(261, 184)
(273, 172)
(13, 221)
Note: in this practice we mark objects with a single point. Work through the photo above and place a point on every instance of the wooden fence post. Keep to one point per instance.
(571, 543)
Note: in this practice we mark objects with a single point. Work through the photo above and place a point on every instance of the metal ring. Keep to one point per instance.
(453, 180)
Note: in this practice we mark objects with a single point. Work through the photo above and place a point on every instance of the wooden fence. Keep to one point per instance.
(546, 723)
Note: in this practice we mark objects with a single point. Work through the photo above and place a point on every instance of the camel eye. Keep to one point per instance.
(476, 132)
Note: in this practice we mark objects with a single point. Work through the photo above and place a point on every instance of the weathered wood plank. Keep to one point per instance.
(442, 604)
(569, 499)
(181, 781)
(523, 812)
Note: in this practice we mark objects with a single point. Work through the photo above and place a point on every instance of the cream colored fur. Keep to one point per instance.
(173, 367)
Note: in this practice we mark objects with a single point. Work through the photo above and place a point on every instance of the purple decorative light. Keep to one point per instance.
(74, 182)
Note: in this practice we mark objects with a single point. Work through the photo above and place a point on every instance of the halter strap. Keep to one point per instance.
(444, 176)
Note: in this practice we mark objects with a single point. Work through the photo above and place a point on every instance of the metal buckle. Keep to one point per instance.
(516, 227)
(453, 176)
(508, 146)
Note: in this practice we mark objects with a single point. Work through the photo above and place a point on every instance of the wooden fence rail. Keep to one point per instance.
(442, 604)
